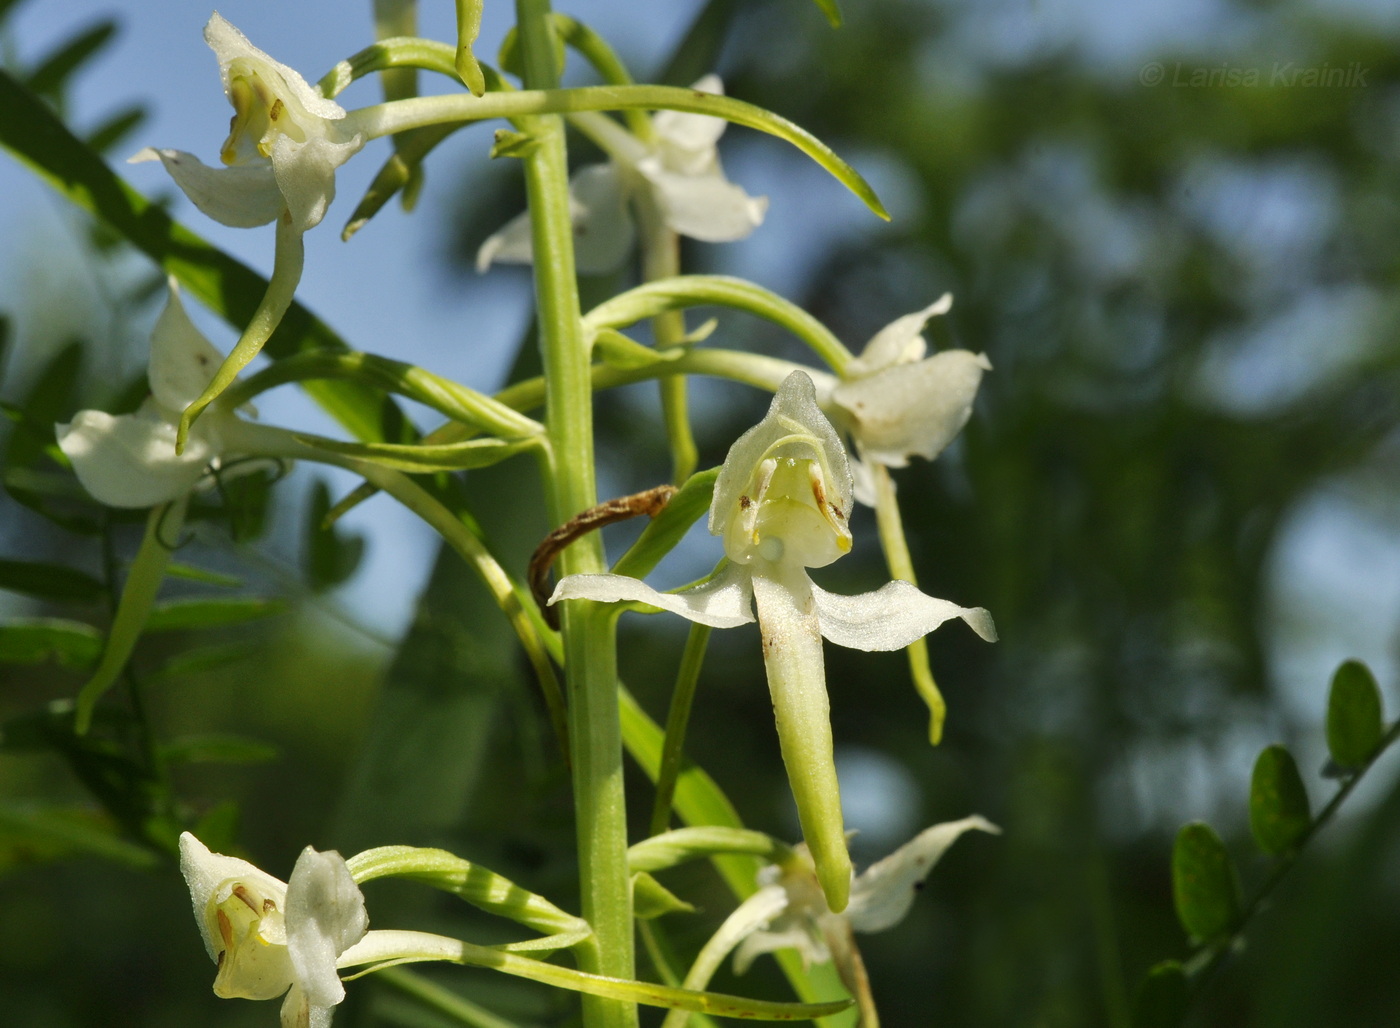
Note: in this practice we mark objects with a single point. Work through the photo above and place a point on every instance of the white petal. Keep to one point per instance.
(707, 207)
(510, 244)
(690, 137)
(229, 45)
(130, 461)
(325, 916)
(724, 601)
(882, 894)
(182, 360)
(901, 341)
(603, 232)
(891, 617)
(242, 197)
(912, 409)
(297, 1011)
(205, 871)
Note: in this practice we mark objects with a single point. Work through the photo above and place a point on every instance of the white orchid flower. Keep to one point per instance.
(881, 897)
(270, 937)
(284, 145)
(781, 505)
(677, 177)
(129, 460)
(895, 403)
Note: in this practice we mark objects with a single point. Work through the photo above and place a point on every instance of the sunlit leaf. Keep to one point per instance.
(1354, 726)
(1279, 813)
(33, 640)
(184, 614)
(1204, 884)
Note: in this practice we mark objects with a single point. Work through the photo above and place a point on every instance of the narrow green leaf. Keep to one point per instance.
(1163, 997)
(478, 885)
(1354, 725)
(651, 899)
(49, 581)
(1279, 813)
(199, 660)
(666, 529)
(190, 573)
(43, 834)
(676, 847)
(32, 640)
(832, 10)
(51, 75)
(185, 614)
(621, 351)
(116, 128)
(419, 458)
(1204, 884)
(217, 749)
(228, 287)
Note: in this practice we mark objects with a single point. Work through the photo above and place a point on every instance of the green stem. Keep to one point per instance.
(589, 645)
(661, 259)
(440, 1000)
(676, 720)
(897, 559)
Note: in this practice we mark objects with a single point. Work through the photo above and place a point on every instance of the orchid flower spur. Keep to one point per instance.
(270, 937)
(129, 460)
(675, 178)
(881, 896)
(781, 504)
(284, 145)
(895, 403)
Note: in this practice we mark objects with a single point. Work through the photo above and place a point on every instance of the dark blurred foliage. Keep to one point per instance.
(1187, 295)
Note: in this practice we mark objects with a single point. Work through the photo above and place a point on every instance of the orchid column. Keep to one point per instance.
(595, 735)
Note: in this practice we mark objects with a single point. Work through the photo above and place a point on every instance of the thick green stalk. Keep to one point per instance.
(589, 645)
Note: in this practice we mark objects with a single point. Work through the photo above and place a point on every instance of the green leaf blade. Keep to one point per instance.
(176, 615)
(70, 644)
(1354, 725)
(1205, 887)
(49, 581)
(1279, 812)
(1163, 997)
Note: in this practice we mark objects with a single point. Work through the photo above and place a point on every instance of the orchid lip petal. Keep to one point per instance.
(723, 601)
(891, 617)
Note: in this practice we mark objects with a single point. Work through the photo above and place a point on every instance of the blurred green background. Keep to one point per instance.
(1177, 496)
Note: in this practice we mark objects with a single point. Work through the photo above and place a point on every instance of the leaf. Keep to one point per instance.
(116, 128)
(1204, 885)
(50, 581)
(191, 573)
(419, 458)
(1354, 726)
(197, 661)
(183, 614)
(666, 529)
(44, 834)
(1279, 813)
(330, 555)
(832, 10)
(1163, 997)
(217, 749)
(51, 75)
(651, 899)
(33, 640)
